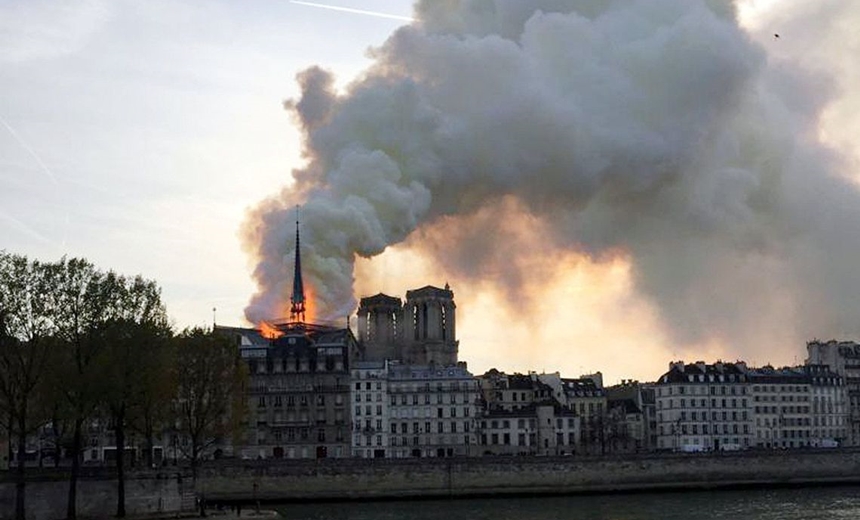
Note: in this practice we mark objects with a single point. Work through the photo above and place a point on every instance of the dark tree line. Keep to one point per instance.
(78, 344)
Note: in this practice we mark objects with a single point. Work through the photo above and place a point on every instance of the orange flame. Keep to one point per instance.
(269, 331)
(309, 304)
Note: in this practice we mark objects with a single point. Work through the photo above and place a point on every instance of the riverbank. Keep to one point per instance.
(171, 492)
(387, 479)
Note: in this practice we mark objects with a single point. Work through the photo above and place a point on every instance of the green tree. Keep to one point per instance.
(26, 336)
(137, 326)
(152, 406)
(95, 311)
(211, 380)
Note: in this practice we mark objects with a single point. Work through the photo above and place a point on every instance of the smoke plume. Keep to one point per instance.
(656, 131)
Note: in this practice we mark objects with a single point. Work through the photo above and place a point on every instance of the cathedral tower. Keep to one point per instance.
(379, 327)
(429, 327)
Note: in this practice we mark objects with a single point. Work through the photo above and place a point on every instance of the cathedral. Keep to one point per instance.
(419, 331)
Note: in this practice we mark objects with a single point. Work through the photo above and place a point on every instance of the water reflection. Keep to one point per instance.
(811, 503)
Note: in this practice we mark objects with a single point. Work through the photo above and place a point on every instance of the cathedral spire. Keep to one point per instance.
(297, 300)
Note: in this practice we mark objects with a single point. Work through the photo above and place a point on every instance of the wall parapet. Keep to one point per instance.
(360, 479)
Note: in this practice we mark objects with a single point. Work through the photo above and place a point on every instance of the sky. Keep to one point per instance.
(140, 135)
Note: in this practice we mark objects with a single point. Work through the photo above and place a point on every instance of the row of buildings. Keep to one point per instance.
(397, 389)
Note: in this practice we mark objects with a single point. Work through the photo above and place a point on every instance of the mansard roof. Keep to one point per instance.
(628, 405)
(428, 372)
(689, 373)
(584, 387)
(520, 382)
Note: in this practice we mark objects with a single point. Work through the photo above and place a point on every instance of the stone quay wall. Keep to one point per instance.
(170, 491)
(347, 479)
(147, 493)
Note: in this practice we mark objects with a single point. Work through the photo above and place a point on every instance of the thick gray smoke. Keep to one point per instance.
(653, 129)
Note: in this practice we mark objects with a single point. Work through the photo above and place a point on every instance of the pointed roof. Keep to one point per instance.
(297, 300)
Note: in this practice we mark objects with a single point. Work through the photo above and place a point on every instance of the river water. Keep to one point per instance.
(810, 503)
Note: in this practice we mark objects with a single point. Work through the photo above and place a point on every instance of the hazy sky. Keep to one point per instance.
(137, 135)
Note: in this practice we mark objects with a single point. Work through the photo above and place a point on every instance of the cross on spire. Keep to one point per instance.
(297, 300)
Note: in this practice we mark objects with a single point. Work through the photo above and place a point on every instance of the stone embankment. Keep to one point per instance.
(274, 481)
(151, 493)
(169, 493)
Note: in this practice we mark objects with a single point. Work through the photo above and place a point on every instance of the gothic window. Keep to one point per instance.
(424, 319)
(415, 321)
(444, 323)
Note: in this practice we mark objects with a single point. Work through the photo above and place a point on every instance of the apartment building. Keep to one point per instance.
(522, 417)
(703, 407)
(299, 390)
(433, 411)
(843, 357)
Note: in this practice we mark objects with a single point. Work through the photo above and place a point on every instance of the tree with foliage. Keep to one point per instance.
(80, 295)
(154, 388)
(211, 380)
(26, 337)
(100, 318)
(137, 326)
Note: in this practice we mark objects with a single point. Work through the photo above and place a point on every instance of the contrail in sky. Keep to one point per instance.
(356, 11)
(9, 218)
(30, 150)
(24, 228)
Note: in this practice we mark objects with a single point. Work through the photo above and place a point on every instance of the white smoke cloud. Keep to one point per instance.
(657, 130)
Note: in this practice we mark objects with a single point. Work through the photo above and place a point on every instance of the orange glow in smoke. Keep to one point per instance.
(309, 304)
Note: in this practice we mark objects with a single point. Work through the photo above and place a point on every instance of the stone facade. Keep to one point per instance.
(798, 407)
(843, 357)
(499, 476)
(412, 411)
(728, 406)
(299, 391)
(704, 407)
(420, 331)
(370, 405)
(586, 397)
(632, 417)
(522, 417)
(433, 411)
